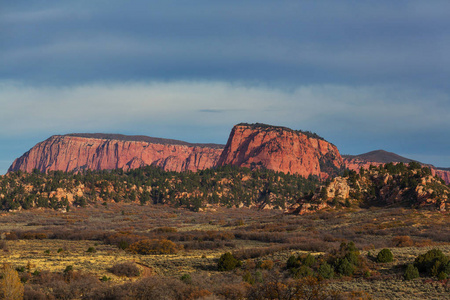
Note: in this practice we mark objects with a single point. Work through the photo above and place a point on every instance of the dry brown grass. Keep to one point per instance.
(257, 235)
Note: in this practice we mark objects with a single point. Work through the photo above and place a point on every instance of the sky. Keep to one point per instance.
(365, 75)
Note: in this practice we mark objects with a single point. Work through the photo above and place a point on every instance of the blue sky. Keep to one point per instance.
(365, 75)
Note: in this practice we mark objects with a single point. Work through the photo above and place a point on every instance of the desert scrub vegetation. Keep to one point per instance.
(11, 286)
(227, 262)
(225, 186)
(433, 263)
(148, 247)
(385, 256)
(127, 269)
(255, 237)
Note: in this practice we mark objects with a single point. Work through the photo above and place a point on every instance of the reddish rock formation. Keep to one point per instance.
(444, 174)
(100, 151)
(380, 157)
(280, 149)
(356, 164)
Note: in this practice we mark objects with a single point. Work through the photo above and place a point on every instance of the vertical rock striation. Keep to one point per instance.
(280, 149)
(102, 151)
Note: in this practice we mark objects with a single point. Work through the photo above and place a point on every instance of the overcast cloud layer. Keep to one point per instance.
(365, 75)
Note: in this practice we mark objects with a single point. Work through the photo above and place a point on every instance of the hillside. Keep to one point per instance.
(379, 157)
(223, 186)
(388, 185)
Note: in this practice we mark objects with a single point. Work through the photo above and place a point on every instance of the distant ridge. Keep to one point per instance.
(380, 156)
(141, 138)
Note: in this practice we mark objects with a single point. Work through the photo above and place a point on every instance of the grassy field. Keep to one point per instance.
(87, 239)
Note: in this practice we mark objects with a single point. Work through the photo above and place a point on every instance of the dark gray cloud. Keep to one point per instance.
(66, 42)
(365, 75)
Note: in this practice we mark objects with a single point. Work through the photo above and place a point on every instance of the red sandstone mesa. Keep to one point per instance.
(102, 151)
(280, 149)
(249, 145)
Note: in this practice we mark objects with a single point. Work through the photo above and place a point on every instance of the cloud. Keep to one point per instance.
(363, 75)
(109, 106)
(357, 119)
(257, 41)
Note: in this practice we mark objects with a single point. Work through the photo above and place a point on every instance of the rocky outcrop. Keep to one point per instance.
(444, 174)
(76, 152)
(380, 157)
(379, 186)
(355, 164)
(280, 149)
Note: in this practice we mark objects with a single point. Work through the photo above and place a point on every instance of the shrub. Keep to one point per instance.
(326, 271)
(35, 294)
(267, 264)
(10, 285)
(344, 267)
(432, 262)
(123, 245)
(411, 272)
(127, 269)
(3, 245)
(68, 269)
(385, 256)
(165, 230)
(147, 247)
(303, 271)
(292, 262)
(227, 262)
(402, 241)
(442, 276)
(309, 260)
(12, 236)
(186, 278)
(91, 250)
(346, 259)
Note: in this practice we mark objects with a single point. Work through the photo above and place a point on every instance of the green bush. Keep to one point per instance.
(442, 276)
(68, 269)
(309, 260)
(346, 259)
(385, 256)
(432, 263)
(303, 271)
(227, 262)
(292, 262)
(186, 278)
(344, 267)
(326, 271)
(411, 272)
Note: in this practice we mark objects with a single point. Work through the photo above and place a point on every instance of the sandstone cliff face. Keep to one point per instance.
(356, 164)
(280, 149)
(74, 153)
(444, 174)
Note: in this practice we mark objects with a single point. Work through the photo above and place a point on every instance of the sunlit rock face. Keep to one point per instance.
(102, 151)
(280, 149)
